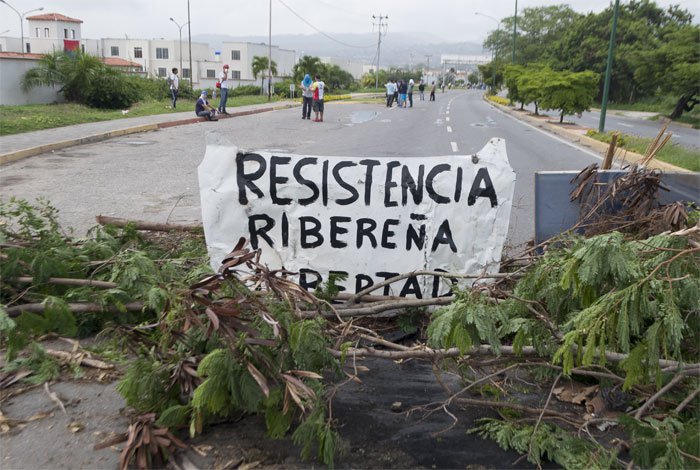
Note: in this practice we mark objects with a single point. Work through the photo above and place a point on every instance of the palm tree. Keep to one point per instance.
(307, 64)
(260, 64)
(74, 72)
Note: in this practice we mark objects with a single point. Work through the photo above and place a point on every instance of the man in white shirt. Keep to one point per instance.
(390, 92)
(174, 86)
(223, 79)
(317, 88)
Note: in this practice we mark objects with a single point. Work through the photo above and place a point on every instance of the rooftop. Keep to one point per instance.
(54, 17)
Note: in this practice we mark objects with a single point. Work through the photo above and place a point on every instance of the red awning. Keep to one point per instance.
(71, 45)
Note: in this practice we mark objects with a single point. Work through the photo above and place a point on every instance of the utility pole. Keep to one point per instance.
(428, 56)
(379, 25)
(269, 57)
(608, 69)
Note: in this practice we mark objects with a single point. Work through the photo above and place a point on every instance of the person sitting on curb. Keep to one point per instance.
(203, 109)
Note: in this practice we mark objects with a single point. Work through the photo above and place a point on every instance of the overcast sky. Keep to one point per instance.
(450, 20)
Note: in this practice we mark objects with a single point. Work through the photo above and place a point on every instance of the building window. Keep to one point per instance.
(185, 73)
(29, 48)
(65, 33)
(72, 34)
(162, 53)
(236, 74)
(46, 32)
(37, 32)
(114, 51)
(235, 55)
(211, 73)
(138, 53)
(161, 71)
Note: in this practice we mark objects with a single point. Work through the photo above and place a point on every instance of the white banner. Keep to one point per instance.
(367, 218)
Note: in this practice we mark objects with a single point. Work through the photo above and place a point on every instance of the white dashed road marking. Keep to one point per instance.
(454, 146)
(447, 119)
(449, 129)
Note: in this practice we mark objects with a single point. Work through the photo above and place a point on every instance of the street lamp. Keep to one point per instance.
(515, 26)
(494, 52)
(179, 27)
(21, 21)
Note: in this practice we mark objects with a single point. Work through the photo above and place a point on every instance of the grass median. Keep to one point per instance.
(35, 117)
(671, 153)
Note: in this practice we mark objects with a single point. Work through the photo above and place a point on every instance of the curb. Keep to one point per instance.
(585, 141)
(33, 151)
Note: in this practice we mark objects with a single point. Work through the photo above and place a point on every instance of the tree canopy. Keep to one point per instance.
(657, 50)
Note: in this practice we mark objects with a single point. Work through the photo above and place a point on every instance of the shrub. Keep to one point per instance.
(245, 90)
(111, 89)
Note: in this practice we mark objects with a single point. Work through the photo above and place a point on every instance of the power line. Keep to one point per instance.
(321, 32)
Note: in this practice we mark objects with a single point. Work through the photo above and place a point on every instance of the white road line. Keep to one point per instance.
(626, 125)
(454, 146)
(449, 129)
(447, 119)
(447, 112)
(551, 135)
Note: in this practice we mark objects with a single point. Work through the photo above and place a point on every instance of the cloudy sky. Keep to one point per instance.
(450, 20)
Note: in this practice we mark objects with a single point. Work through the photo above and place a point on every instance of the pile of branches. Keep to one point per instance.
(627, 204)
(619, 308)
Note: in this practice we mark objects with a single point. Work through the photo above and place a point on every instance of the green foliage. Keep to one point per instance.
(83, 78)
(466, 322)
(607, 293)
(317, 430)
(547, 442)
(44, 368)
(309, 345)
(37, 247)
(147, 386)
(663, 443)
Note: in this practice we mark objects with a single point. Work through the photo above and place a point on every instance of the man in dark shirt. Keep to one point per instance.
(203, 109)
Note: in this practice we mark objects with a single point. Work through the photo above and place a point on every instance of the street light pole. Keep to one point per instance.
(608, 69)
(379, 43)
(494, 52)
(180, 29)
(515, 27)
(21, 22)
(189, 40)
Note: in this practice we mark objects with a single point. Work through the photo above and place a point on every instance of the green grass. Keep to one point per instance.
(663, 105)
(671, 153)
(34, 117)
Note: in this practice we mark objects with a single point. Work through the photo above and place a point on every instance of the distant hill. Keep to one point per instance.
(398, 49)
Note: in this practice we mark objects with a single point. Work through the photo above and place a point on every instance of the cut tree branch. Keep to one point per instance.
(17, 310)
(145, 225)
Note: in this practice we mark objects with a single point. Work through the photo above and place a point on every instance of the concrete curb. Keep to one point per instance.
(586, 141)
(52, 147)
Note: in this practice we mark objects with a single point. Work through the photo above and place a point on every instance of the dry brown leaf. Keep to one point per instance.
(75, 427)
(202, 450)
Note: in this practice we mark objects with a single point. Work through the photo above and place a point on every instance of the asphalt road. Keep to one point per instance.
(153, 176)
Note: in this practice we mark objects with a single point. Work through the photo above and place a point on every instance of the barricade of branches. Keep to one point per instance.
(618, 310)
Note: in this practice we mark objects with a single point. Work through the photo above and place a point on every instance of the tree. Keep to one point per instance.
(336, 78)
(473, 78)
(307, 64)
(261, 64)
(83, 78)
(568, 92)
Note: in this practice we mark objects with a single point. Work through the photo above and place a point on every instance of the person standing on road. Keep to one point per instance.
(432, 92)
(390, 89)
(421, 88)
(203, 109)
(403, 89)
(317, 88)
(174, 86)
(411, 84)
(223, 79)
(307, 95)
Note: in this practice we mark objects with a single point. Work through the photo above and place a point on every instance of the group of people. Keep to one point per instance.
(312, 96)
(402, 92)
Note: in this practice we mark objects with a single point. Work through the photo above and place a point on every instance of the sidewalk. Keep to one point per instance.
(27, 144)
(577, 134)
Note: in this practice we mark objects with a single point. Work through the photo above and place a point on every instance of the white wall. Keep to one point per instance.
(11, 72)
